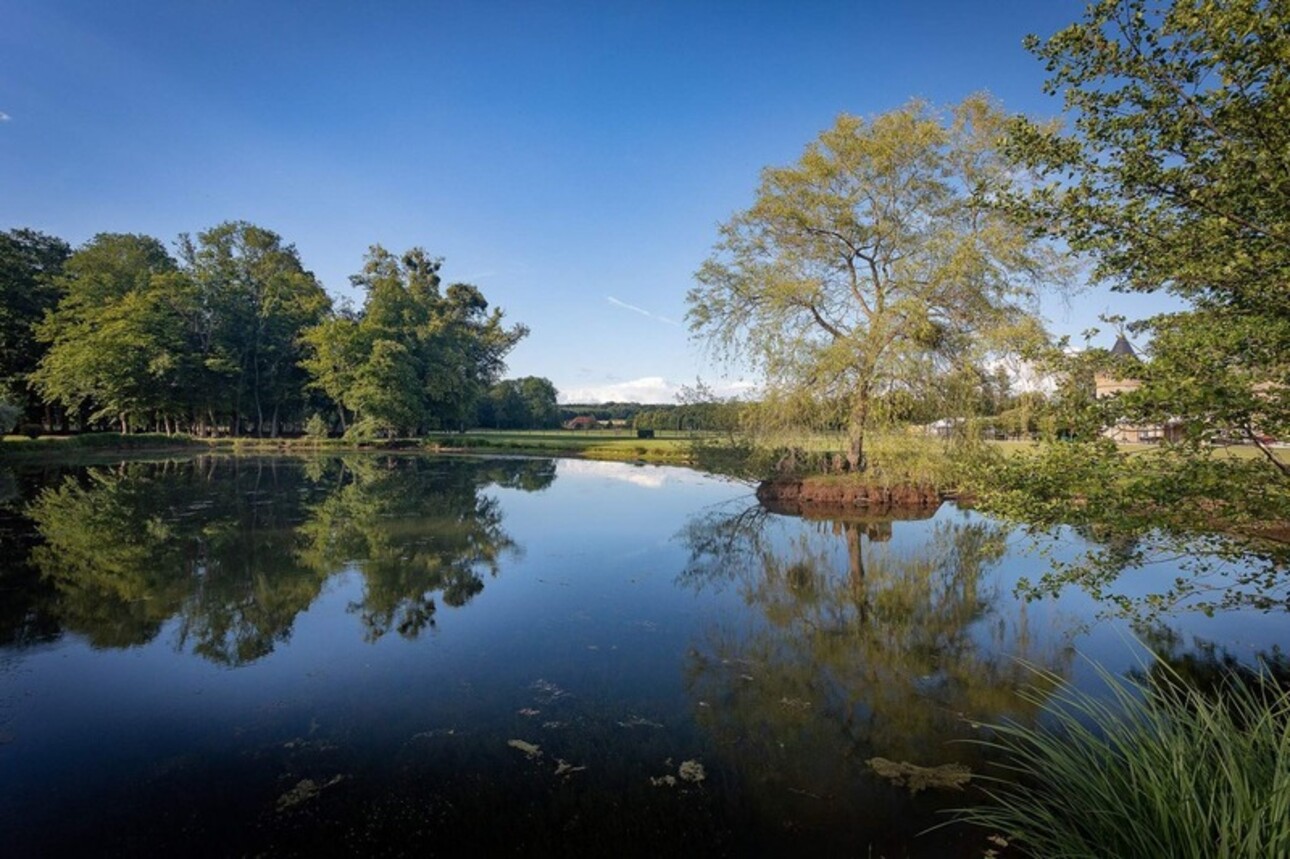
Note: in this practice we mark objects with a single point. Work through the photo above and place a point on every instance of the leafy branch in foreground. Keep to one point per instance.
(1222, 519)
(1173, 177)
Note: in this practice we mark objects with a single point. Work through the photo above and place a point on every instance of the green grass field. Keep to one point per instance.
(667, 447)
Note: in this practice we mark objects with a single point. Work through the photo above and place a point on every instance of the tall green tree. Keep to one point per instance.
(417, 356)
(527, 403)
(540, 401)
(257, 299)
(1173, 175)
(29, 262)
(116, 339)
(876, 251)
(334, 351)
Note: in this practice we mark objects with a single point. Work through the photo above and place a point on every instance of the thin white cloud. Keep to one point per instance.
(1024, 376)
(4, 117)
(642, 311)
(649, 389)
(653, 390)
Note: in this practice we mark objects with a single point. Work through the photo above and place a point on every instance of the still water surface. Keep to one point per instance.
(407, 655)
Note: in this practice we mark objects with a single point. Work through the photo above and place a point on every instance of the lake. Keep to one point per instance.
(382, 655)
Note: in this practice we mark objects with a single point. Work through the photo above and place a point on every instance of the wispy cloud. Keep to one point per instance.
(642, 311)
(4, 117)
(648, 389)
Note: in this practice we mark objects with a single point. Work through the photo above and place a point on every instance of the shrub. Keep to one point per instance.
(316, 427)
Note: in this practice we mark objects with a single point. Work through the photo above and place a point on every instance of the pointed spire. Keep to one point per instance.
(1123, 348)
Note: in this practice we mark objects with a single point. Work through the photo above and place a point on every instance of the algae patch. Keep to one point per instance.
(916, 778)
(634, 721)
(692, 771)
(689, 771)
(531, 751)
(305, 790)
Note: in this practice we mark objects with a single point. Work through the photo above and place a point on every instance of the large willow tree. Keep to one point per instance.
(878, 254)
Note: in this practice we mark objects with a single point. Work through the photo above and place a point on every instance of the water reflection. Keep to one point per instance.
(865, 645)
(234, 549)
(1205, 665)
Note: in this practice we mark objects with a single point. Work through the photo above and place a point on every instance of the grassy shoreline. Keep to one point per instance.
(670, 450)
(899, 459)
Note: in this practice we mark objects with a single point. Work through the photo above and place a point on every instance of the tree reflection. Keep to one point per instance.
(414, 531)
(863, 648)
(1204, 665)
(234, 549)
(209, 542)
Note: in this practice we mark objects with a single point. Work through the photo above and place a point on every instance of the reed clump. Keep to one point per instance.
(1157, 768)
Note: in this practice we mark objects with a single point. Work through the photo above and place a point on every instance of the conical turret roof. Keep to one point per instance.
(1123, 348)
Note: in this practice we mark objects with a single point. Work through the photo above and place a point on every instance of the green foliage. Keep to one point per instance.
(1173, 177)
(316, 427)
(9, 415)
(255, 301)
(416, 357)
(1140, 506)
(117, 337)
(29, 263)
(1157, 769)
(873, 261)
(333, 354)
(527, 403)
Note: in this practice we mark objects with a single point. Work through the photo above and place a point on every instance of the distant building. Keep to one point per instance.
(582, 422)
(1110, 385)
(945, 427)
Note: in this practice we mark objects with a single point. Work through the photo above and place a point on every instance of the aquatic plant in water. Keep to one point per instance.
(1157, 768)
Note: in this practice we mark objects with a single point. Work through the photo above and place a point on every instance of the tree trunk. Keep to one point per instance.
(855, 432)
(125, 425)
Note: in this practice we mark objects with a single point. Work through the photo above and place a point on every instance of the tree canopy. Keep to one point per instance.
(233, 334)
(1173, 175)
(29, 262)
(117, 338)
(415, 356)
(877, 254)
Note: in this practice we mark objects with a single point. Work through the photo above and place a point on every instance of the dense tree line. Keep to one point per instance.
(527, 403)
(231, 334)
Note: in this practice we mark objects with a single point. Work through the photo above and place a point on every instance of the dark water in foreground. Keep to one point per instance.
(390, 656)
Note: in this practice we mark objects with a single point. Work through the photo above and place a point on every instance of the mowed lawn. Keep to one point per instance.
(666, 446)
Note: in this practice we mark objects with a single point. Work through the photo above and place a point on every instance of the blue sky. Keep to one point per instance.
(572, 159)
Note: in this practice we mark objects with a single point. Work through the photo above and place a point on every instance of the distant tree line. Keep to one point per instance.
(527, 403)
(231, 334)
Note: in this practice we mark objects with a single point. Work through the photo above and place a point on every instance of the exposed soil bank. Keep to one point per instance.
(809, 494)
